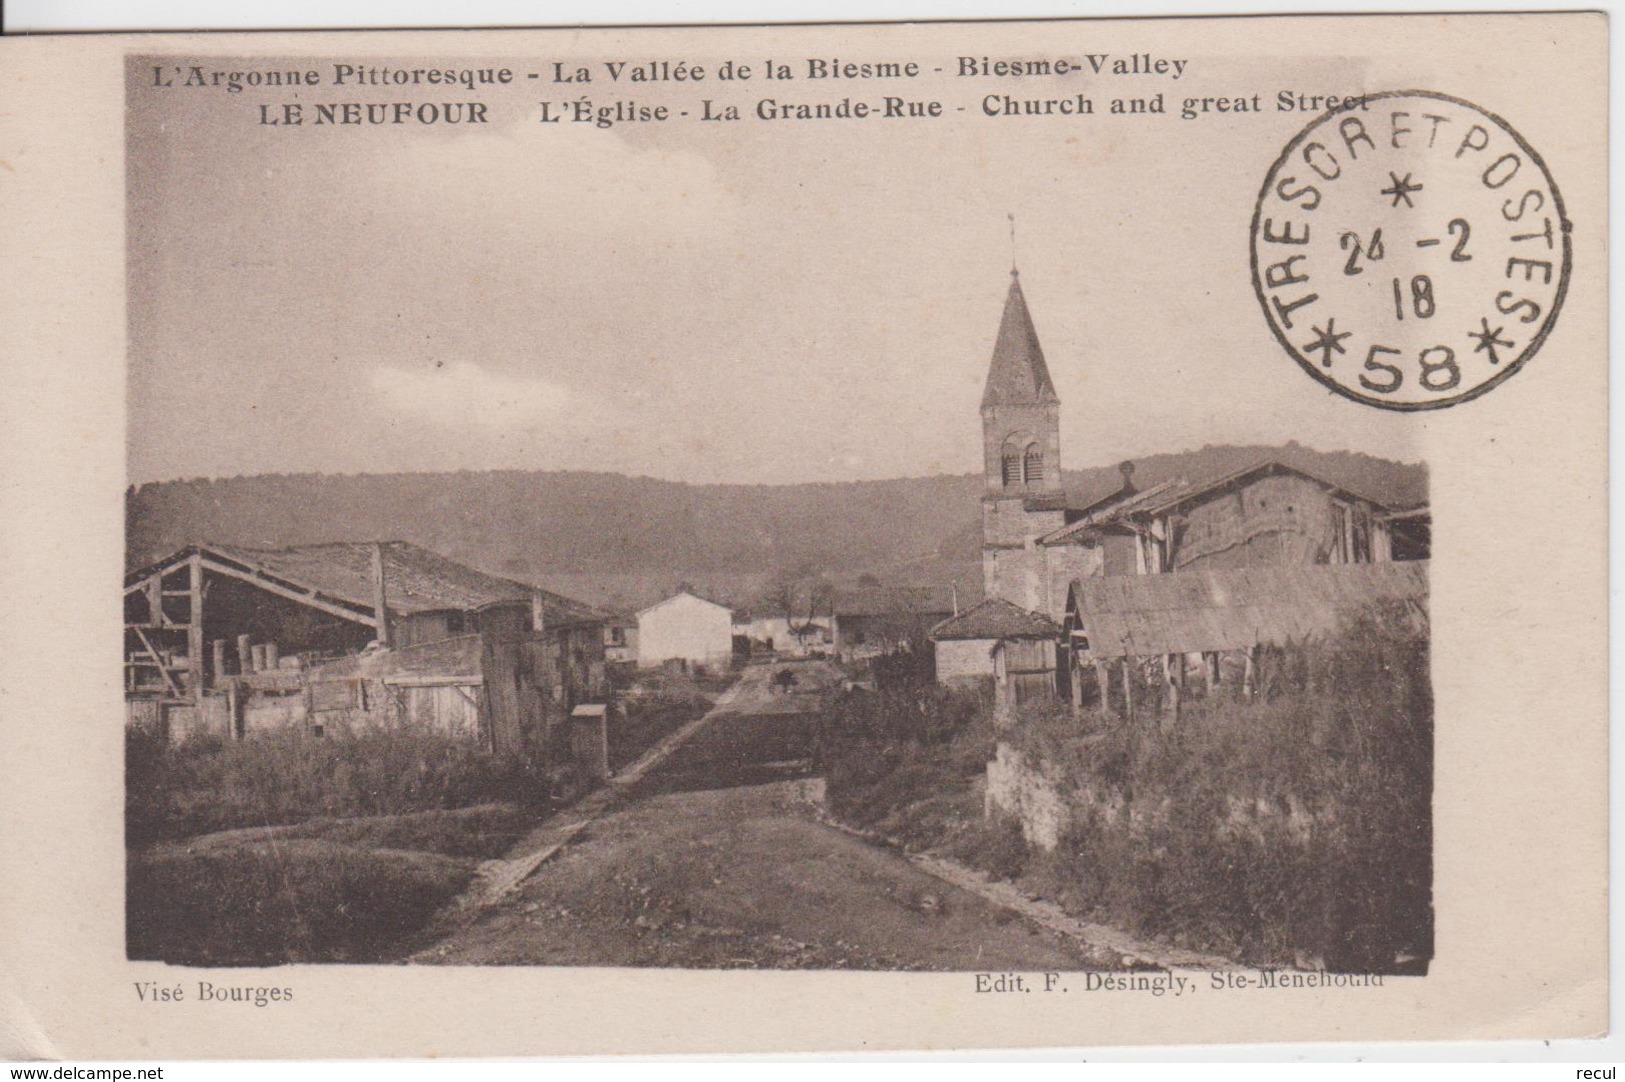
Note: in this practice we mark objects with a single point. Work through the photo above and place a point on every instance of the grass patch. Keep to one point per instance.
(483, 832)
(275, 901)
(205, 785)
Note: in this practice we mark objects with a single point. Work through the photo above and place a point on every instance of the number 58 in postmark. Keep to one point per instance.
(1410, 255)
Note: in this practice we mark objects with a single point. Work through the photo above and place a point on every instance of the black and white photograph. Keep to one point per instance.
(939, 513)
(568, 547)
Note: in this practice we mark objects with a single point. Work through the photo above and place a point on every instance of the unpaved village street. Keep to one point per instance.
(717, 859)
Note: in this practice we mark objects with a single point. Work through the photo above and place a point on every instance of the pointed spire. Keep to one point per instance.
(1018, 375)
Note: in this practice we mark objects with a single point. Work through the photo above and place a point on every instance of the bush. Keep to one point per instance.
(1266, 829)
(883, 752)
(996, 846)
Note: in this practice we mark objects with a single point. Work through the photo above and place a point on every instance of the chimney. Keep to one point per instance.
(1127, 470)
(380, 598)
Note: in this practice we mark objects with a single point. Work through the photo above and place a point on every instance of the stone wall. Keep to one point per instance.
(961, 660)
(1028, 794)
(1043, 800)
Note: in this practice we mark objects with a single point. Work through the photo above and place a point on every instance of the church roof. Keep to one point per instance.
(1018, 375)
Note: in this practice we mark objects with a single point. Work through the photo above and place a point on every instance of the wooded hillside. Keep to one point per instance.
(619, 540)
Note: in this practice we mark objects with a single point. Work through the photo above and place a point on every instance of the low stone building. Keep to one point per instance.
(1003, 644)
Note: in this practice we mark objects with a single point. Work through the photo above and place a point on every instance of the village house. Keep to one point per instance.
(873, 620)
(687, 629)
(783, 636)
(621, 639)
(1002, 644)
(230, 641)
(1037, 544)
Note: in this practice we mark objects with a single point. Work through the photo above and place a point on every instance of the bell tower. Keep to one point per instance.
(1022, 498)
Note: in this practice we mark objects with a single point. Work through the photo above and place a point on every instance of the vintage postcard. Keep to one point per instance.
(804, 538)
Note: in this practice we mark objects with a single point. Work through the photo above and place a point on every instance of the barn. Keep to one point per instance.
(688, 629)
(231, 640)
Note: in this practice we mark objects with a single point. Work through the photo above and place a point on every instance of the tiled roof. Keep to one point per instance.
(1190, 611)
(996, 618)
(1018, 374)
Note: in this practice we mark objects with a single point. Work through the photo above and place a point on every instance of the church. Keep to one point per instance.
(1039, 546)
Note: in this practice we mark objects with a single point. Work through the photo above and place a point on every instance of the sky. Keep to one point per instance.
(749, 302)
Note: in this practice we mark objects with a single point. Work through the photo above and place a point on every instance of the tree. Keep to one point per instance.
(801, 596)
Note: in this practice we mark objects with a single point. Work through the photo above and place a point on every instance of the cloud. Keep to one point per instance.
(462, 394)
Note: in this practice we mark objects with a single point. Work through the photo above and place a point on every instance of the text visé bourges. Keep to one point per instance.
(155, 992)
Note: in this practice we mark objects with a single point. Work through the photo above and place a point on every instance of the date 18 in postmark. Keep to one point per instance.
(1413, 254)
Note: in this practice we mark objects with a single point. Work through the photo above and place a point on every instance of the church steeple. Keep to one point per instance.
(1021, 413)
(1018, 375)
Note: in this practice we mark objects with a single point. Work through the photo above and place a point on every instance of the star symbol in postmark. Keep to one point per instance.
(1488, 340)
(1328, 341)
(1401, 189)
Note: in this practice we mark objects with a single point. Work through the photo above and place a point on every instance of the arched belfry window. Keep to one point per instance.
(1032, 464)
(1012, 467)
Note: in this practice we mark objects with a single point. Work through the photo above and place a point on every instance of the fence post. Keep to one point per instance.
(1128, 688)
(1172, 677)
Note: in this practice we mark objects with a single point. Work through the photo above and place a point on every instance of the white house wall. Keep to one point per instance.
(685, 628)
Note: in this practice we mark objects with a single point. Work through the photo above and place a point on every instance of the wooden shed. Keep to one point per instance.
(1205, 614)
(230, 640)
(1001, 642)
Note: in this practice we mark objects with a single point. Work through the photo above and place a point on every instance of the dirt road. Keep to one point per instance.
(710, 865)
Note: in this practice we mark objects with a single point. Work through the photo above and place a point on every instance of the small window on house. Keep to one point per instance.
(454, 623)
(1032, 464)
(1012, 468)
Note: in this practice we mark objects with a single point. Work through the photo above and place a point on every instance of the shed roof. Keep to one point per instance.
(1190, 611)
(996, 618)
(416, 579)
(454, 660)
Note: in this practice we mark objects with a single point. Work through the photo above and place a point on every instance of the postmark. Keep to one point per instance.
(1411, 252)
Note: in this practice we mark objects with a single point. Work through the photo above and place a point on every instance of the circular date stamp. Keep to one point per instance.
(1411, 251)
